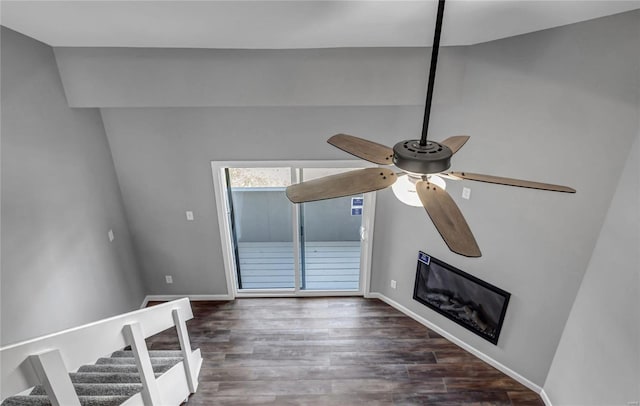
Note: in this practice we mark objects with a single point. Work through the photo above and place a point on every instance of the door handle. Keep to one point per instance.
(363, 235)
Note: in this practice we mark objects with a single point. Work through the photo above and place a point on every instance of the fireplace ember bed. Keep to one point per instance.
(471, 302)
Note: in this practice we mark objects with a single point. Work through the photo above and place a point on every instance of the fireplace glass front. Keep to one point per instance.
(473, 303)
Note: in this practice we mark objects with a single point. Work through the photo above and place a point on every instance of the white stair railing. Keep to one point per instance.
(48, 360)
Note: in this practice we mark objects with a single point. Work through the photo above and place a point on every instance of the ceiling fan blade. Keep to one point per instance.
(448, 219)
(342, 184)
(448, 175)
(513, 182)
(364, 149)
(456, 142)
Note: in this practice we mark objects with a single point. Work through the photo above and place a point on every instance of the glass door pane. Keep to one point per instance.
(330, 239)
(261, 225)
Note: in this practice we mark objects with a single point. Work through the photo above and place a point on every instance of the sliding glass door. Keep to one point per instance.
(330, 239)
(261, 226)
(275, 246)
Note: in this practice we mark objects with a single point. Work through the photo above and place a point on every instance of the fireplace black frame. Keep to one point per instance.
(424, 260)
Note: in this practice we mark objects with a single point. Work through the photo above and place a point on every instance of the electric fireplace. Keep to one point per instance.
(473, 303)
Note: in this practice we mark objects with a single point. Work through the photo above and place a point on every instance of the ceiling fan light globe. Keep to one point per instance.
(405, 191)
(405, 188)
(438, 181)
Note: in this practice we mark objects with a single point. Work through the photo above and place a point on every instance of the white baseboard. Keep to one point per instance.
(545, 398)
(513, 374)
(167, 298)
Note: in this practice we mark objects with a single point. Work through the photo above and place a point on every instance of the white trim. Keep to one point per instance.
(366, 250)
(508, 371)
(545, 397)
(222, 205)
(296, 173)
(168, 298)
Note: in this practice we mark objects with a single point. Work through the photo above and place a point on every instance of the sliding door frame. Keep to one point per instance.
(223, 209)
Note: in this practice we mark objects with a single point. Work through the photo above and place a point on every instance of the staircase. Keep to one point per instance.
(129, 377)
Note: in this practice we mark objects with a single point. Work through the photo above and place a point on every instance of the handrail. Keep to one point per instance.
(83, 345)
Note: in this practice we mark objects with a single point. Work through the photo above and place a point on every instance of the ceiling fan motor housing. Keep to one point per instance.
(433, 157)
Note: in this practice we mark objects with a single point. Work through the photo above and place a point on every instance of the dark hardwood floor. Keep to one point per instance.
(333, 351)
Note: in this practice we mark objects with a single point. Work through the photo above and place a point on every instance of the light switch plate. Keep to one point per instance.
(189, 215)
(466, 193)
(111, 236)
(168, 278)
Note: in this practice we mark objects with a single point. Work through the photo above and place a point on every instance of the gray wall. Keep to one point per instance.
(120, 77)
(60, 197)
(557, 106)
(265, 215)
(163, 159)
(598, 358)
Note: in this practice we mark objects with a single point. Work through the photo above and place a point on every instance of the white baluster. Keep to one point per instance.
(135, 338)
(54, 377)
(185, 345)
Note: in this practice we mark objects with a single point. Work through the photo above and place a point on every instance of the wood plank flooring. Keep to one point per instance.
(333, 351)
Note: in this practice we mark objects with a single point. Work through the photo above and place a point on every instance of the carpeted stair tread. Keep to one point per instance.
(122, 369)
(27, 401)
(152, 354)
(84, 401)
(106, 377)
(109, 382)
(99, 389)
(102, 400)
(132, 361)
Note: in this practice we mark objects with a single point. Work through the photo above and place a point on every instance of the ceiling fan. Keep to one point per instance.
(423, 162)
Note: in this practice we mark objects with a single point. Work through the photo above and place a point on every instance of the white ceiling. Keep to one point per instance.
(268, 24)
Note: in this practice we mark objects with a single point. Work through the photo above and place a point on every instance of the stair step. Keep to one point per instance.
(99, 389)
(84, 401)
(109, 382)
(27, 401)
(122, 369)
(106, 377)
(132, 361)
(152, 354)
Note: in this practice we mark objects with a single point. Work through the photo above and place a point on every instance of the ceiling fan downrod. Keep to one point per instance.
(422, 156)
(432, 72)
